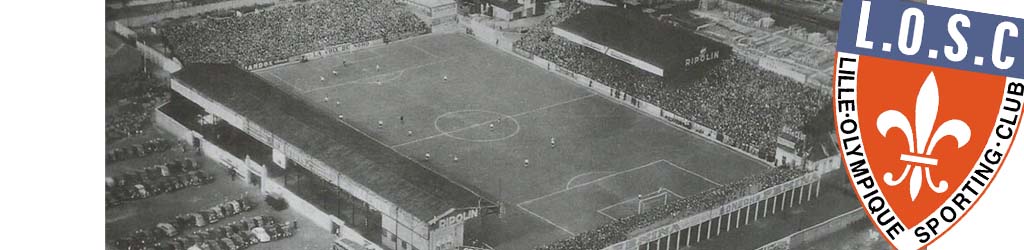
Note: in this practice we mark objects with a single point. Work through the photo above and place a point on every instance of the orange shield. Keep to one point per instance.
(921, 143)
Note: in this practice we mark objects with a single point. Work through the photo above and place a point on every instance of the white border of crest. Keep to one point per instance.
(849, 137)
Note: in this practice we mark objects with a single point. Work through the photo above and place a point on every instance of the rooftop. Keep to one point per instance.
(415, 189)
(434, 3)
(639, 36)
(509, 5)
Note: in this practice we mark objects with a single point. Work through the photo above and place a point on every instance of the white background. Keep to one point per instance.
(51, 117)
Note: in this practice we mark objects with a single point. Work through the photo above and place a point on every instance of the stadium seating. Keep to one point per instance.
(735, 98)
(284, 31)
(740, 100)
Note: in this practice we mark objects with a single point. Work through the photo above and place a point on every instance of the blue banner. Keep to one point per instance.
(933, 35)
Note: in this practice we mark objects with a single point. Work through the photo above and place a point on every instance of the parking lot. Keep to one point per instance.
(146, 213)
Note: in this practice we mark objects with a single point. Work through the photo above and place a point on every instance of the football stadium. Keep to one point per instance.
(599, 128)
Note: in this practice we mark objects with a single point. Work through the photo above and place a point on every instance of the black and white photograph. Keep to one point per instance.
(474, 124)
(450, 125)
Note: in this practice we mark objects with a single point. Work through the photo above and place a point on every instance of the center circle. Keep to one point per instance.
(476, 125)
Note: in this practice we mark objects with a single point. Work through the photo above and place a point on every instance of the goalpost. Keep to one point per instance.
(651, 200)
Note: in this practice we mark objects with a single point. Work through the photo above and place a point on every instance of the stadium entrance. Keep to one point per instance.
(328, 198)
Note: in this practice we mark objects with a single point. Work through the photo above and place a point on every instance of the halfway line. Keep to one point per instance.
(488, 122)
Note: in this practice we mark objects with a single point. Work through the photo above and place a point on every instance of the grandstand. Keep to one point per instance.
(638, 40)
(740, 104)
(310, 146)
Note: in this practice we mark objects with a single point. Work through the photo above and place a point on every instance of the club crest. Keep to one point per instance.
(923, 120)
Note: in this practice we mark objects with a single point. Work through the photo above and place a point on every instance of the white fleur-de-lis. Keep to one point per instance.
(921, 140)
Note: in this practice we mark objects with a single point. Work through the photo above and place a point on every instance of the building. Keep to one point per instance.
(793, 149)
(438, 11)
(824, 155)
(786, 153)
(338, 177)
(509, 10)
(639, 40)
(680, 17)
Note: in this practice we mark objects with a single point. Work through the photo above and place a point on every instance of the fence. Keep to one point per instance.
(331, 50)
(122, 30)
(167, 64)
(403, 36)
(154, 56)
(810, 234)
(179, 131)
(781, 244)
(341, 48)
(825, 228)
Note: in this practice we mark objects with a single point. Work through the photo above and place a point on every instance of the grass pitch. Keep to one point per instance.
(454, 97)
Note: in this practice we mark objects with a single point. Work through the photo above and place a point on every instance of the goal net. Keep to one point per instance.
(652, 200)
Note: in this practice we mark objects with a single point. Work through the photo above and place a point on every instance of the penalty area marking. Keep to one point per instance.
(590, 182)
(520, 205)
(693, 173)
(545, 219)
(634, 199)
(606, 215)
(619, 173)
(568, 185)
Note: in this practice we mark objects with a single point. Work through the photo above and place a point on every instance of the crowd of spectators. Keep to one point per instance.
(748, 104)
(288, 30)
(618, 230)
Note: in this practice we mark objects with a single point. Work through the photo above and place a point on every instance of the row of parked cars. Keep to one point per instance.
(154, 180)
(139, 150)
(236, 235)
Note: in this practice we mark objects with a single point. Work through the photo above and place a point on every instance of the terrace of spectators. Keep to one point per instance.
(284, 31)
(749, 104)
